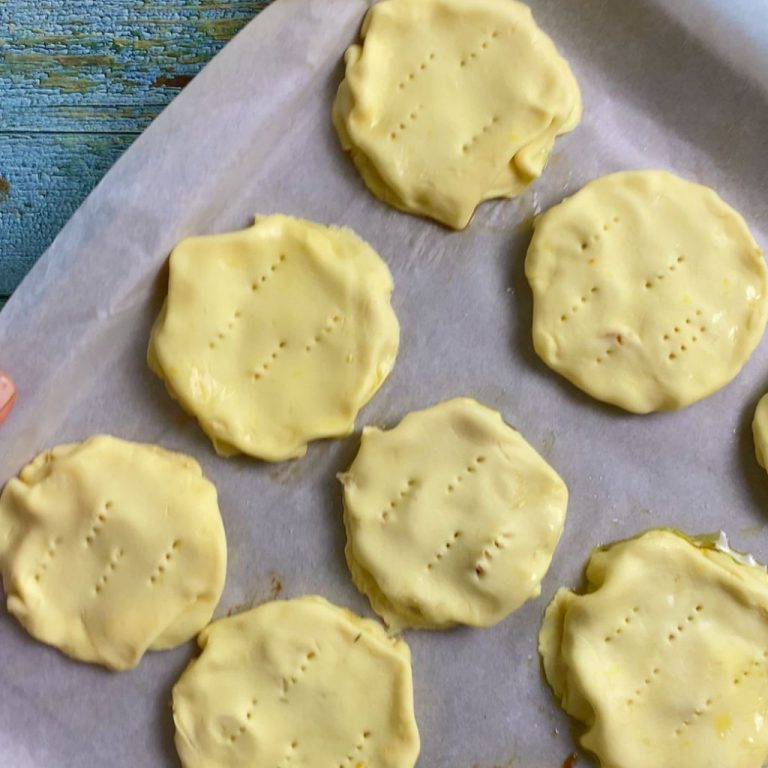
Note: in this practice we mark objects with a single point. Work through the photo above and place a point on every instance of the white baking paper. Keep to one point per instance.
(682, 87)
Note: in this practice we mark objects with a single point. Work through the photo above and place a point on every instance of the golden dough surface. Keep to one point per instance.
(447, 103)
(760, 431)
(664, 658)
(275, 335)
(297, 683)
(110, 548)
(451, 517)
(649, 291)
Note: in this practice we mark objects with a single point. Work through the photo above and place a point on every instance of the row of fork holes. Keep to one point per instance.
(596, 237)
(111, 568)
(335, 320)
(358, 747)
(655, 672)
(487, 556)
(308, 348)
(484, 130)
(241, 730)
(463, 62)
(413, 116)
(264, 278)
(160, 570)
(699, 711)
(745, 673)
(221, 335)
(412, 75)
(678, 329)
(660, 276)
(469, 469)
(50, 553)
(265, 366)
(484, 45)
(393, 504)
(583, 300)
(448, 544)
(101, 518)
(672, 636)
(310, 656)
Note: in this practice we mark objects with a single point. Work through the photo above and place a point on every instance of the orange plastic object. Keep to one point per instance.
(7, 395)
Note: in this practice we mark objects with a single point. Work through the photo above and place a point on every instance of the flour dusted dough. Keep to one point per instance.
(664, 660)
(110, 548)
(760, 431)
(297, 683)
(649, 291)
(275, 335)
(451, 517)
(447, 103)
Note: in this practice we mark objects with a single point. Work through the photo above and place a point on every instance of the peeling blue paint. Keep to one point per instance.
(78, 82)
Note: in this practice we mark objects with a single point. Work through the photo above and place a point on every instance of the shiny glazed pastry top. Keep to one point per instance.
(275, 335)
(447, 103)
(664, 658)
(649, 291)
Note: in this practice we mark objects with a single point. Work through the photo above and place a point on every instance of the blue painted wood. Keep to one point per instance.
(79, 80)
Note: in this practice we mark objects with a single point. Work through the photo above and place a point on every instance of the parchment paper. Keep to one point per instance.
(683, 88)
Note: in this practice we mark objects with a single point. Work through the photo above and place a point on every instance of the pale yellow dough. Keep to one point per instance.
(447, 103)
(297, 683)
(649, 291)
(110, 548)
(275, 335)
(760, 431)
(451, 518)
(665, 659)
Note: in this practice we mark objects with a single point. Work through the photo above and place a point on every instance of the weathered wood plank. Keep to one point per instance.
(110, 51)
(78, 81)
(48, 176)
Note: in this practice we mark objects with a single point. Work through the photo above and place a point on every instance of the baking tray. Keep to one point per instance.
(681, 86)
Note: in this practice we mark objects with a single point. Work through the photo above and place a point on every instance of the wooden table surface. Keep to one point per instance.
(79, 80)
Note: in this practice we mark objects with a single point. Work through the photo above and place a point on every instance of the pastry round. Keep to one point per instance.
(760, 431)
(275, 335)
(447, 103)
(649, 292)
(451, 518)
(664, 659)
(297, 683)
(110, 548)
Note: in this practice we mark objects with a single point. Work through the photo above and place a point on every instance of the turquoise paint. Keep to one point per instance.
(79, 80)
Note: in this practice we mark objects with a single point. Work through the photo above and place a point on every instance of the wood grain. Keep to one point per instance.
(79, 80)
